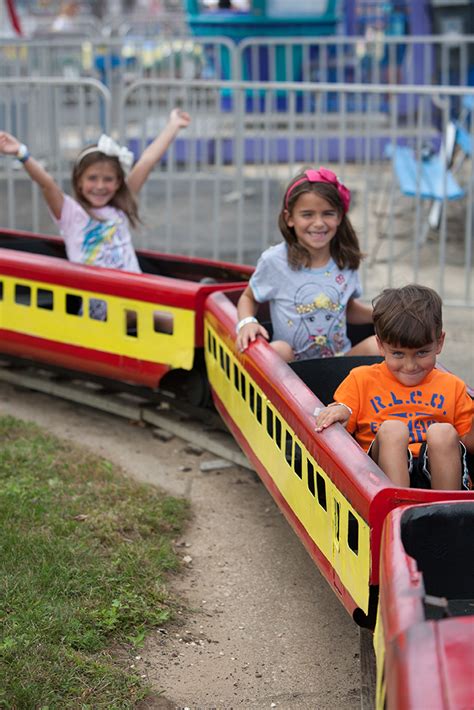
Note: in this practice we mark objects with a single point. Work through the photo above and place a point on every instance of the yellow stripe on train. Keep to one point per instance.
(330, 521)
(379, 648)
(61, 314)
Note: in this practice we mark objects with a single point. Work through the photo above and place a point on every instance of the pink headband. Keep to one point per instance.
(323, 175)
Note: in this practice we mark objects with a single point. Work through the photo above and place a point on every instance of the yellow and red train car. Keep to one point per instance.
(333, 494)
(153, 323)
(424, 636)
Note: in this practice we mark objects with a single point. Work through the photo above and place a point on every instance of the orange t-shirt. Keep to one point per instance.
(375, 396)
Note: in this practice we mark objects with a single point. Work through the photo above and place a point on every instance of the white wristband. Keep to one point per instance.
(22, 153)
(244, 321)
(340, 404)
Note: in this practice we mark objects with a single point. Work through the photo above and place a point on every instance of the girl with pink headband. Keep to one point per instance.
(95, 224)
(310, 280)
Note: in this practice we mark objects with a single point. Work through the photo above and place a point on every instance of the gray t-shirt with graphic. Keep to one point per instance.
(308, 306)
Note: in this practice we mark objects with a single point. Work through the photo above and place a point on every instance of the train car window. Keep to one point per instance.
(131, 323)
(45, 299)
(163, 322)
(337, 520)
(288, 447)
(227, 365)
(258, 408)
(214, 347)
(22, 295)
(1, 290)
(297, 461)
(243, 386)
(269, 422)
(353, 533)
(221, 356)
(209, 341)
(278, 431)
(73, 304)
(252, 397)
(97, 309)
(321, 489)
(310, 472)
(236, 377)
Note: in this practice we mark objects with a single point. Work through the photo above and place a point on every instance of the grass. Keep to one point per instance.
(84, 556)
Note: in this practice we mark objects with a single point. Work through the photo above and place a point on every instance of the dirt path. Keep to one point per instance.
(265, 630)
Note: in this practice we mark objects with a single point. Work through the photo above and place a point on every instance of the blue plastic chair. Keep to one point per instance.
(427, 177)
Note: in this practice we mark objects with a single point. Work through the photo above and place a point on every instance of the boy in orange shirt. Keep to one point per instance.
(404, 404)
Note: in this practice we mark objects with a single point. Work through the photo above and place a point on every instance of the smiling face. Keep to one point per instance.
(410, 366)
(99, 183)
(315, 222)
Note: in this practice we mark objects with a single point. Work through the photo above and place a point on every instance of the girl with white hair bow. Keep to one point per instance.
(96, 224)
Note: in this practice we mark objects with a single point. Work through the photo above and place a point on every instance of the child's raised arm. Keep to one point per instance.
(9, 145)
(154, 152)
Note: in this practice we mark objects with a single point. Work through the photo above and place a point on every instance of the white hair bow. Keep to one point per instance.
(109, 147)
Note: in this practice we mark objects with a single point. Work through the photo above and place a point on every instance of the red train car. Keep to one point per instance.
(424, 636)
(163, 323)
(153, 323)
(331, 492)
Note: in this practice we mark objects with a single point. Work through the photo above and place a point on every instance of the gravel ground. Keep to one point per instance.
(260, 627)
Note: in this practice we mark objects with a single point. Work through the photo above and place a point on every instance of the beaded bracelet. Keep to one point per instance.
(244, 321)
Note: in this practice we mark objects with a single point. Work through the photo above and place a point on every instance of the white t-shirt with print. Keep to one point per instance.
(103, 242)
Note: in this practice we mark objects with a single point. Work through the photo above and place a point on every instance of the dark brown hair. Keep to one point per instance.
(123, 198)
(408, 317)
(344, 247)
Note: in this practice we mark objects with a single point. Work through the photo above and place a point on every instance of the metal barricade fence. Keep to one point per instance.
(373, 59)
(431, 59)
(219, 189)
(56, 118)
(117, 62)
(120, 60)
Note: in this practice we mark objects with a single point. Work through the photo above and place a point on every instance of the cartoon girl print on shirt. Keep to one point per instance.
(321, 325)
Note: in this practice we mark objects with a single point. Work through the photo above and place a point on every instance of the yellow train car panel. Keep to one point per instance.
(307, 489)
(135, 329)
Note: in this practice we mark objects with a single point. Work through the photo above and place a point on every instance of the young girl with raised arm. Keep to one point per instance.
(95, 224)
(310, 280)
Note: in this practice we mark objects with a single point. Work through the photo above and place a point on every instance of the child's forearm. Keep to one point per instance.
(334, 412)
(156, 150)
(150, 156)
(246, 306)
(52, 193)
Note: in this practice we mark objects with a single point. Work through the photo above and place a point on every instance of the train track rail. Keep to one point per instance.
(198, 426)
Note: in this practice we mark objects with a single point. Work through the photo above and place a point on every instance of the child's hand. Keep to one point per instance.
(179, 118)
(9, 145)
(249, 333)
(330, 415)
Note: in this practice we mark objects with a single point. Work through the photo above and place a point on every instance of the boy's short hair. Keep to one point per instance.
(409, 317)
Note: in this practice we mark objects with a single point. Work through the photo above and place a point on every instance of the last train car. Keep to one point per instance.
(153, 322)
(424, 636)
(334, 496)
